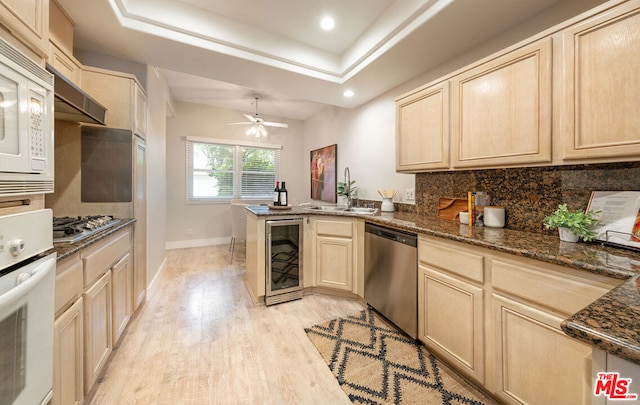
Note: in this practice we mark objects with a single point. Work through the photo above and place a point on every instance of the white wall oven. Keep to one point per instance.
(26, 125)
(27, 285)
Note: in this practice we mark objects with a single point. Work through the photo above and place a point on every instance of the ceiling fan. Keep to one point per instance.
(258, 125)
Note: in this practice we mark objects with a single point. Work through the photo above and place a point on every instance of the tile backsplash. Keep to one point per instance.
(528, 194)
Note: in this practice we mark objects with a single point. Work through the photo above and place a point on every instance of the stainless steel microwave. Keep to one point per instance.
(26, 125)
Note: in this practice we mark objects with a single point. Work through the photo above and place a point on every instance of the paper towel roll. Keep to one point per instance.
(494, 216)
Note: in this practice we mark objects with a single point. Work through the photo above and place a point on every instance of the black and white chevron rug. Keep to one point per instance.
(376, 364)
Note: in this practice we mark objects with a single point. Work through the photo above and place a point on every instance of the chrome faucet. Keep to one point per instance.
(347, 186)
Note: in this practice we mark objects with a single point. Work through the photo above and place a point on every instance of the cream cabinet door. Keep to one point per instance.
(422, 129)
(97, 329)
(601, 65)
(28, 20)
(334, 255)
(535, 362)
(451, 320)
(501, 110)
(68, 357)
(121, 295)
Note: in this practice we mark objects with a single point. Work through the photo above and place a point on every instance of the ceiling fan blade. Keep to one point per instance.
(275, 124)
(251, 118)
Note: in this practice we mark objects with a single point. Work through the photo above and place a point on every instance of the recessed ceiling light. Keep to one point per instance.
(327, 23)
(348, 93)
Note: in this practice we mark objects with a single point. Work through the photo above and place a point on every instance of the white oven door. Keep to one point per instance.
(26, 332)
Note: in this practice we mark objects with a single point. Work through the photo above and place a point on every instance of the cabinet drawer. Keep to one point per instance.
(103, 255)
(454, 259)
(335, 228)
(560, 291)
(68, 281)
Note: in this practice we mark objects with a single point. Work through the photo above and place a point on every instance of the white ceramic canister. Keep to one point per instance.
(387, 205)
(464, 217)
(494, 216)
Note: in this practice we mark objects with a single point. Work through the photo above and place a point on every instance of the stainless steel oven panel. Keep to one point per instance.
(26, 332)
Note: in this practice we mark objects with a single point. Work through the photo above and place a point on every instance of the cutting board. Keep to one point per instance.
(449, 208)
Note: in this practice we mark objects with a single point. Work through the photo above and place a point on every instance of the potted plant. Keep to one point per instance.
(344, 191)
(572, 225)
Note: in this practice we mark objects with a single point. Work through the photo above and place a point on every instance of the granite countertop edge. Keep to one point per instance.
(611, 323)
(66, 249)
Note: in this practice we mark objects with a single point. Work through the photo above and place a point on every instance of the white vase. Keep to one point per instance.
(387, 205)
(567, 235)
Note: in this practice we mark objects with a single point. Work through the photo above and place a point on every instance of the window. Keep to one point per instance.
(218, 170)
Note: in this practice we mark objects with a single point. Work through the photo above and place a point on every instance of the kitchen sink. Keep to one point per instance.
(332, 208)
(363, 210)
(342, 208)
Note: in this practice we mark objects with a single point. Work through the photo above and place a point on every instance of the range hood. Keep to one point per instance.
(73, 104)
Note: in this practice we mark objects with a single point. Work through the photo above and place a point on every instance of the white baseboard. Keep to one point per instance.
(162, 268)
(181, 244)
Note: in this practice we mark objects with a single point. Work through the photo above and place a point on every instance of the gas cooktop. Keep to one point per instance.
(68, 229)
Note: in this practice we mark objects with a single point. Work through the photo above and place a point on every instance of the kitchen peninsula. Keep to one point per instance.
(586, 291)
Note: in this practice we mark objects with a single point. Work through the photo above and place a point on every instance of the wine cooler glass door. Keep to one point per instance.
(284, 260)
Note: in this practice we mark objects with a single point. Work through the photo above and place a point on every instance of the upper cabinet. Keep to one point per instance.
(422, 132)
(601, 92)
(501, 113)
(567, 95)
(61, 44)
(121, 94)
(27, 20)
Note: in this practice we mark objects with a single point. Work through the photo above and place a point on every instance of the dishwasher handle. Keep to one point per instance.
(392, 234)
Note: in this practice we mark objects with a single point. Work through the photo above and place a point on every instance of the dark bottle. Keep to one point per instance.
(283, 195)
(276, 194)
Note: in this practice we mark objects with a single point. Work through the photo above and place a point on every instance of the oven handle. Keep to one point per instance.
(41, 269)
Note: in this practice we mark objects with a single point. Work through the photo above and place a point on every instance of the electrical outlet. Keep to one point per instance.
(189, 232)
(410, 194)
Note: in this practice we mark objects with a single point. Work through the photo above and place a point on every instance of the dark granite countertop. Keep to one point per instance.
(65, 249)
(611, 323)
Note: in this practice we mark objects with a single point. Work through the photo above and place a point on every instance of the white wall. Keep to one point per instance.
(157, 98)
(205, 224)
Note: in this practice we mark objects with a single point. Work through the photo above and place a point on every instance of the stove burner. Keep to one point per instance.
(68, 229)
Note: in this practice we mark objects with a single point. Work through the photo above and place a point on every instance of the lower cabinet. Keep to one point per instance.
(453, 331)
(334, 253)
(122, 295)
(536, 362)
(496, 317)
(68, 357)
(97, 329)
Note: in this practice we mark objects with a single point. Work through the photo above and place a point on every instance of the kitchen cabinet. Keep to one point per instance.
(495, 317)
(68, 356)
(27, 20)
(98, 341)
(501, 109)
(60, 54)
(122, 296)
(530, 350)
(451, 304)
(334, 254)
(122, 95)
(107, 299)
(601, 90)
(422, 129)
(140, 226)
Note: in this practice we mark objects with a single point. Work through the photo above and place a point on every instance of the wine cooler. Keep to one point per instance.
(283, 260)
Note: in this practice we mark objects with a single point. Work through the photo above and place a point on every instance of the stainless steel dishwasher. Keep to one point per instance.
(391, 275)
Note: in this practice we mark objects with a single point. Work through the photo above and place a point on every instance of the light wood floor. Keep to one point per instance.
(200, 340)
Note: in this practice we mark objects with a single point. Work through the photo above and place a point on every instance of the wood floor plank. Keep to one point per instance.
(200, 340)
